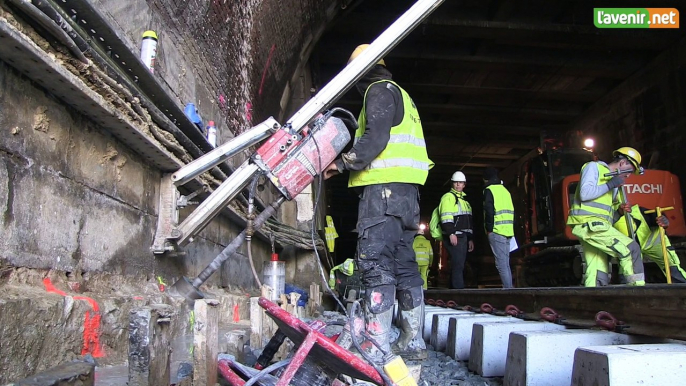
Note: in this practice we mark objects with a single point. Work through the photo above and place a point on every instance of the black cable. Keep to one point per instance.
(46, 22)
(325, 282)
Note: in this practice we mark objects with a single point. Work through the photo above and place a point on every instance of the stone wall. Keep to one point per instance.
(75, 198)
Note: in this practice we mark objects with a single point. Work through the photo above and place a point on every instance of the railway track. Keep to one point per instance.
(654, 310)
(562, 336)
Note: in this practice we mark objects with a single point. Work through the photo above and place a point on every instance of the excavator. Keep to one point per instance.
(549, 255)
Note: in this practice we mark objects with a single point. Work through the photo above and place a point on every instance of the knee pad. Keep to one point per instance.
(380, 299)
(410, 298)
(635, 250)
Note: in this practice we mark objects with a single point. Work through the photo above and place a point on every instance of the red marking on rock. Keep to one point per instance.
(236, 314)
(248, 112)
(266, 67)
(91, 324)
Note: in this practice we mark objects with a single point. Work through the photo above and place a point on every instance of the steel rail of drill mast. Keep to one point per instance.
(169, 236)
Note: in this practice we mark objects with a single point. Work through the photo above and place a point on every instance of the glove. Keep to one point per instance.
(615, 182)
(663, 221)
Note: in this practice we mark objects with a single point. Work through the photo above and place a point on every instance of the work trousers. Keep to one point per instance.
(500, 245)
(388, 219)
(599, 239)
(458, 257)
(654, 254)
(424, 273)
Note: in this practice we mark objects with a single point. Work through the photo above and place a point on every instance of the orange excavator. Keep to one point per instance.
(549, 254)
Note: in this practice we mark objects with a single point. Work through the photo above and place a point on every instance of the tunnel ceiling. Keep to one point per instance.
(489, 76)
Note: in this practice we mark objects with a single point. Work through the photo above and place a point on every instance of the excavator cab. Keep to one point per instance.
(543, 175)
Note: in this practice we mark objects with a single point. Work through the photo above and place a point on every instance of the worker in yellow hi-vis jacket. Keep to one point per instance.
(424, 252)
(648, 238)
(331, 234)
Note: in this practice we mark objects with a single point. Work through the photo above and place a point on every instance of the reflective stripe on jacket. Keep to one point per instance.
(423, 251)
(455, 209)
(404, 159)
(581, 212)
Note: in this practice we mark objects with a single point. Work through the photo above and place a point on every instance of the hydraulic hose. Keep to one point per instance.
(249, 230)
(233, 246)
(267, 370)
(50, 25)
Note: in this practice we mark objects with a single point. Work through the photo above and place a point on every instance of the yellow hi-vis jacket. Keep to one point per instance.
(455, 209)
(330, 233)
(600, 208)
(503, 218)
(640, 225)
(404, 159)
(347, 268)
(423, 251)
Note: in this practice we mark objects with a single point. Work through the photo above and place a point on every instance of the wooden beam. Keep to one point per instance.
(436, 128)
(549, 115)
(435, 57)
(463, 157)
(556, 35)
(507, 94)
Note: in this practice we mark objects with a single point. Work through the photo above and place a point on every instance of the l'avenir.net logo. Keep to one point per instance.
(636, 17)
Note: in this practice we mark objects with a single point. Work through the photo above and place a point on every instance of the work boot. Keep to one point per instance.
(378, 327)
(410, 345)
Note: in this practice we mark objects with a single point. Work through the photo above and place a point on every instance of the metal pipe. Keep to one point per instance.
(358, 67)
(205, 212)
(233, 246)
(225, 151)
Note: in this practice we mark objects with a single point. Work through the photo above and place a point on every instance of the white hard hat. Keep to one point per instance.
(458, 177)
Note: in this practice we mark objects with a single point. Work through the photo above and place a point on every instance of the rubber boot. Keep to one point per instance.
(378, 327)
(410, 345)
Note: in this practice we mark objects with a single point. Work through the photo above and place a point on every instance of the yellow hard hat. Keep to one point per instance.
(632, 155)
(359, 50)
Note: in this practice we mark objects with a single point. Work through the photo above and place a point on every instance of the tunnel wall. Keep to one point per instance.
(648, 112)
(75, 198)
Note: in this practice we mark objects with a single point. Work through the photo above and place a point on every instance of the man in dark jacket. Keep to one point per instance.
(499, 222)
(387, 163)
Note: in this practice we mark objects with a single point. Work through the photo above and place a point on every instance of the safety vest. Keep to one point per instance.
(600, 208)
(455, 209)
(423, 251)
(404, 159)
(347, 268)
(330, 233)
(503, 220)
(643, 232)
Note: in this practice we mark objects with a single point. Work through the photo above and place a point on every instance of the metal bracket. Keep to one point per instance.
(168, 217)
(184, 201)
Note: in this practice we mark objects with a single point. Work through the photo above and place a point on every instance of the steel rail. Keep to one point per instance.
(654, 310)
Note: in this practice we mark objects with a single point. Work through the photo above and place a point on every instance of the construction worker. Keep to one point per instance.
(456, 225)
(499, 222)
(387, 163)
(424, 252)
(591, 217)
(330, 233)
(647, 235)
(347, 268)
